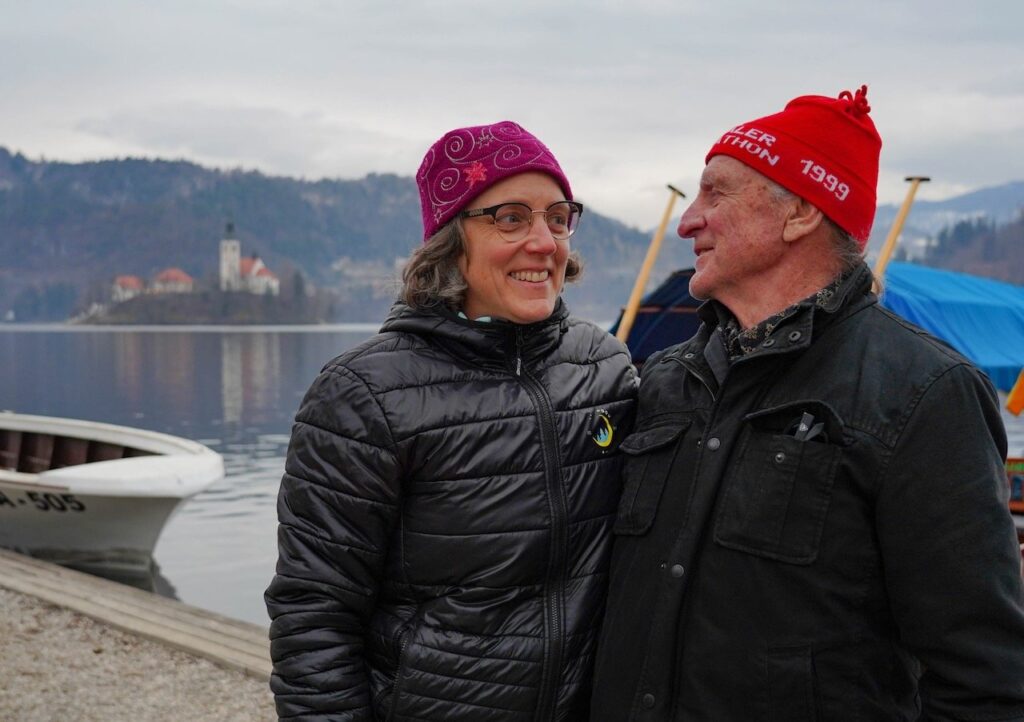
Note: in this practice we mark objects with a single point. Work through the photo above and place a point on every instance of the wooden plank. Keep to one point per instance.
(68, 451)
(36, 453)
(100, 451)
(155, 611)
(212, 620)
(232, 643)
(10, 449)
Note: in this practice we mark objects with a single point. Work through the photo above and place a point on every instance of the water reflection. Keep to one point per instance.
(231, 378)
(149, 580)
(236, 391)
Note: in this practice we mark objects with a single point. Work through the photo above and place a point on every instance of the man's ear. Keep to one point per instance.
(802, 219)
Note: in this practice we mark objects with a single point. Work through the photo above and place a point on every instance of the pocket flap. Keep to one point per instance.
(781, 419)
(642, 442)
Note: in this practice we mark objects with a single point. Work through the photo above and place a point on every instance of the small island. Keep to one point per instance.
(246, 292)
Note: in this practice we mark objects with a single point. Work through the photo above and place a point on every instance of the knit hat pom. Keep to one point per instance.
(856, 105)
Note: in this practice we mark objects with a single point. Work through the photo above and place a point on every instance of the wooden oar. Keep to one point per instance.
(897, 225)
(629, 314)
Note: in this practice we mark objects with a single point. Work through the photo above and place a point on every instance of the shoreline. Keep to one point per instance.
(81, 648)
(60, 664)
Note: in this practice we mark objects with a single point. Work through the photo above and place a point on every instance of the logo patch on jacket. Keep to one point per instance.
(602, 431)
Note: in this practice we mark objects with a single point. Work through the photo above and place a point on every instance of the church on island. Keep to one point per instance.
(237, 275)
(247, 275)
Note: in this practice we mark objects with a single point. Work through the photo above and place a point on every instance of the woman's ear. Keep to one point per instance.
(802, 219)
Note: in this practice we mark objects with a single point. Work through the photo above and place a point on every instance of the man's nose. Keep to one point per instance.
(691, 221)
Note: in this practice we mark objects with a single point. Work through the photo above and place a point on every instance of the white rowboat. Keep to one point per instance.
(90, 495)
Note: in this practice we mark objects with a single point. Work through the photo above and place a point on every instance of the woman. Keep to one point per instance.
(446, 509)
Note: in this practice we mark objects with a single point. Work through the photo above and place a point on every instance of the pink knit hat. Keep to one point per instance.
(465, 162)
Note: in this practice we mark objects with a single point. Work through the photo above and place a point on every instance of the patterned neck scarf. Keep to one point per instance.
(741, 341)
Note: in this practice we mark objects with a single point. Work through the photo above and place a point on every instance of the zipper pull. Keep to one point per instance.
(519, 352)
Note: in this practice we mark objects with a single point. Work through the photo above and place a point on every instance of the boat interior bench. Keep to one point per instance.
(33, 453)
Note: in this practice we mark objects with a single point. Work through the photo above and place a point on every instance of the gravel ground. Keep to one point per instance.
(58, 665)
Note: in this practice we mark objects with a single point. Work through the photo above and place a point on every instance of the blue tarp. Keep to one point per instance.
(981, 318)
(667, 316)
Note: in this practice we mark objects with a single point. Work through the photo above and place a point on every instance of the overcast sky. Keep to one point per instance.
(628, 94)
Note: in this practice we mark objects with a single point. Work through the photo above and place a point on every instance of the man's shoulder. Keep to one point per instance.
(892, 337)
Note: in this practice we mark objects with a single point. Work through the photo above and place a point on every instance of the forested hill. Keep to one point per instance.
(65, 227)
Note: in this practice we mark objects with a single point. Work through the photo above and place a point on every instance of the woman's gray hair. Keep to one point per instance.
(432, 276)
(847, 250)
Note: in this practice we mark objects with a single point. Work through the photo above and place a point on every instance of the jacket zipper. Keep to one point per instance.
(555, 581)
(398, 673)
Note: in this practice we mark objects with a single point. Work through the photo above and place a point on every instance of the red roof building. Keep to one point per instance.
(172, 280)
(126, 287)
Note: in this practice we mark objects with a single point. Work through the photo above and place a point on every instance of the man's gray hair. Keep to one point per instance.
(846, 247)
(432, 276)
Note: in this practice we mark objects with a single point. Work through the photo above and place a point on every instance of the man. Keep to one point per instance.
(814, 521)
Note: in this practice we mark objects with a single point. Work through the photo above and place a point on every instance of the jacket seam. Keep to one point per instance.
(349, 590)
(456, 424)
(340, 435)
(338, 491)
(342, 370)
(905, 420)
(303, 533)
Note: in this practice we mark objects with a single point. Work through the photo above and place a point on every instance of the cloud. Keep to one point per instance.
(628, 93)
(270, 139)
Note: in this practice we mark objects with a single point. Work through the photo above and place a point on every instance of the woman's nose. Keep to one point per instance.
(539, 238)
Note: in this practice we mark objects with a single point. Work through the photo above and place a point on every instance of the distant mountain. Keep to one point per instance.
(998, 204)
(67, 229)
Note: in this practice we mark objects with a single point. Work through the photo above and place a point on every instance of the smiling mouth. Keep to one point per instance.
(530, 276)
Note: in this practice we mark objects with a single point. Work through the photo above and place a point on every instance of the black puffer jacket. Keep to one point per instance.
(445, 523)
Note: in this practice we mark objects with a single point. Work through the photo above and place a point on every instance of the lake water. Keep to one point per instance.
(233, 389)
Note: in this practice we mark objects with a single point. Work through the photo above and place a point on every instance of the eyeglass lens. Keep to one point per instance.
(516, 218)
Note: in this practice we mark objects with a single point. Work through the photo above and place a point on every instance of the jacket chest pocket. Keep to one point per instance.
(779, 484)
(648, 456)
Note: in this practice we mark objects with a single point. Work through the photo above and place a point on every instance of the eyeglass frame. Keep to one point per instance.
(492, 211)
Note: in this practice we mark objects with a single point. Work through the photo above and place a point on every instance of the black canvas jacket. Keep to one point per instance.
(866, 571)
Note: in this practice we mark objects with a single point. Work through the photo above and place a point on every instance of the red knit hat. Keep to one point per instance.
(465, 162)
(825, 150)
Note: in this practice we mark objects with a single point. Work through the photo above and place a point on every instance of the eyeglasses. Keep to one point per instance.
(513, 220)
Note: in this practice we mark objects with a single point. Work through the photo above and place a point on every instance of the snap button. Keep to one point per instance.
(768, 342)
(795, 335)
(677, 571)
(780, 457)
(648, 700)
(714, 443)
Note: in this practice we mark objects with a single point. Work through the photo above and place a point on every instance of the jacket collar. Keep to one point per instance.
(794, 332)
(487, 341)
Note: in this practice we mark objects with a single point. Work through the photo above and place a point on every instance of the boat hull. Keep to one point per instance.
(83, 530)
(103, 514)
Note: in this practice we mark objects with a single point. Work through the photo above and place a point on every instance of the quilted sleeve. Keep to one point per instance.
(336, 508)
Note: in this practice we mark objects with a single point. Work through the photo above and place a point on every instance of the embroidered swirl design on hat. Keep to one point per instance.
(467, 161)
